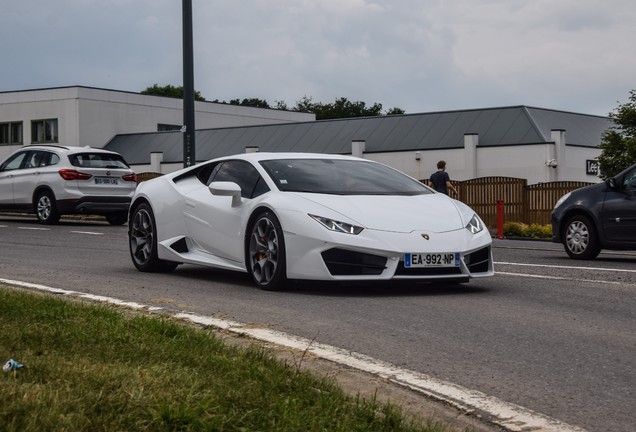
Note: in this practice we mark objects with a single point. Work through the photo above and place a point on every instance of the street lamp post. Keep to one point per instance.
(189, 154)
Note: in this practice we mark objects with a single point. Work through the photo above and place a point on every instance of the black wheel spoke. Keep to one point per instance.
(264, 259)
(141, 236)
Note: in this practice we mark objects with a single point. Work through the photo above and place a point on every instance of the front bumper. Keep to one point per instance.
(375, 255)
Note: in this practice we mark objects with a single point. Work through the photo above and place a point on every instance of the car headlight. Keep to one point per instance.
(334, 225)
(475, 225)
(562, 199)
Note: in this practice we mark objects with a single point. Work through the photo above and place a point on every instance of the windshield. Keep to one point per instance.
(340, 177)
(98, 160)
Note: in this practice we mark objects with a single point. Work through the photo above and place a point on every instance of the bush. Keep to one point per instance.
(519, 229)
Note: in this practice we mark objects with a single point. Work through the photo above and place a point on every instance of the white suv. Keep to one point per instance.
(51, 180)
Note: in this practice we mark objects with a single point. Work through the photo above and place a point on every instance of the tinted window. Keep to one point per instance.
(97, 160)
(340, 177)
(14, 162)
(629, 182)
(241, 173)
(49, 159)
(39, 158)
(32, 160)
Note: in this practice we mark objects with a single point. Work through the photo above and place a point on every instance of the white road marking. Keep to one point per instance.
(49, 229)
(557, 278)
(509, 416)
(569, 267)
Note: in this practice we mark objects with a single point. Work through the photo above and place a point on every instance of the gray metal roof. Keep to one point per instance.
(518, 125)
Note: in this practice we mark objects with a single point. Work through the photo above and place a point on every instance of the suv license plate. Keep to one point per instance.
(450, 259)
(106, 181)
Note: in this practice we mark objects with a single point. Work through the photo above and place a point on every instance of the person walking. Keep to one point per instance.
(440, 180)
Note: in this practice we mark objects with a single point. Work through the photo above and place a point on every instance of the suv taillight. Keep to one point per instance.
(130, 177)
(69, 174)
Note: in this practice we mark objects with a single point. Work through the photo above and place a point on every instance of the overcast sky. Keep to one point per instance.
(418, 55)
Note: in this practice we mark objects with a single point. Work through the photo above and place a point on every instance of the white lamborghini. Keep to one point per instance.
(281, 216)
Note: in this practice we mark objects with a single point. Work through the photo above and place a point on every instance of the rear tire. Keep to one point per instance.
(265, 252)
(142, 240)
(580, 238)
(116, 218)
(45, 208)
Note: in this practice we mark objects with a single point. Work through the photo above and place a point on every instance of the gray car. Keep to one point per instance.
(600, 216)
(51, 181)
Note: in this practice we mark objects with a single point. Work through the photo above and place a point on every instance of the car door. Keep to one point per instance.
(27, 178)
(8, 171)
(619, 210)
(212, 221)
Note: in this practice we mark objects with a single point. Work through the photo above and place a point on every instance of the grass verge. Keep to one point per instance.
(95, 368)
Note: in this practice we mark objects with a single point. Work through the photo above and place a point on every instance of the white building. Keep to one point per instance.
(85, 116)
(537, 144)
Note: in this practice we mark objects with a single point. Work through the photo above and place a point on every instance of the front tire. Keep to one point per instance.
(142, 240)
(580, 238)
(265, 252)
(45, 208)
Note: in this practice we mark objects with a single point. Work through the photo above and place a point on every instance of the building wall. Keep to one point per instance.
(91, 117)
(525, 162)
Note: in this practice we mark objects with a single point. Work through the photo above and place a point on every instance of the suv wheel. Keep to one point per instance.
(45, 208)
(116, 218)
(580, 239)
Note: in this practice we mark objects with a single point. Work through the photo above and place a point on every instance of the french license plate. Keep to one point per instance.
(450, 259)
(106, 181)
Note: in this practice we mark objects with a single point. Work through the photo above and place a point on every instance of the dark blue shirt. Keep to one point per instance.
(439, 179)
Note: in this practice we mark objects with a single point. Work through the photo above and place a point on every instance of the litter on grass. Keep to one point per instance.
(12, 365)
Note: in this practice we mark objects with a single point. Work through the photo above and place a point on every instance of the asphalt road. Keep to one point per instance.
(547, 333)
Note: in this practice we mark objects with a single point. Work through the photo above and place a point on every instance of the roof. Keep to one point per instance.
(517, 125)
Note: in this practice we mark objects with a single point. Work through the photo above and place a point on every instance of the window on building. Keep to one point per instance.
(44, 131)
(163, 127)
(11, 133)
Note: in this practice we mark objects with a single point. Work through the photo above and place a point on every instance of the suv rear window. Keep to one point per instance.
(97, 160)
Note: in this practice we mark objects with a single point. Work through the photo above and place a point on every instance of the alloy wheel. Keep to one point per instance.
(141, 236)
(44, 207)
(264, 251)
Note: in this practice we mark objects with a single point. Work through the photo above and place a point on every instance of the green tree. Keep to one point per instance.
(252, 102)
(342, 108)
(169, 91)
(618, 144)
(395, 111)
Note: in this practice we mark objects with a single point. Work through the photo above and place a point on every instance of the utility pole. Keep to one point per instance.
(189, 154)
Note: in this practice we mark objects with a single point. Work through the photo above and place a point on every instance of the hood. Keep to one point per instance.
(434, 212)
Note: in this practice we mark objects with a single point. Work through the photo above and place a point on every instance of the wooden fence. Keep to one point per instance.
(522, 203)
(147, 176)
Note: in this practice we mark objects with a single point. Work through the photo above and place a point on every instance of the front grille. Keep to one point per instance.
(478, 261)
(342, 262)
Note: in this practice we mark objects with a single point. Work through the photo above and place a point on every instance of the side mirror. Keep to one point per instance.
(611, 183)
(230, 189)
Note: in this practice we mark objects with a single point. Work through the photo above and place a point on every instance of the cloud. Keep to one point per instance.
(421, 55)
